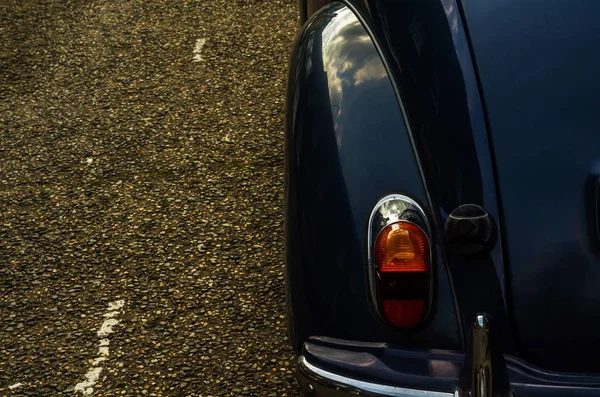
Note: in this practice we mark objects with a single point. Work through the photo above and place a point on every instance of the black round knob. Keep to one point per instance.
(469, 230)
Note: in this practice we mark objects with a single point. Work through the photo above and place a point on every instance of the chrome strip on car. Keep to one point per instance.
(338, 381)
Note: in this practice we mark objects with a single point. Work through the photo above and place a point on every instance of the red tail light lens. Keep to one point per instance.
(403, 312)
(402, 259)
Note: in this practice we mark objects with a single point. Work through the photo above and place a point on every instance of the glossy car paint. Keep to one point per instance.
(538, 62)
(429, 55)
(433, 71)
(347, 145)
(511, 129)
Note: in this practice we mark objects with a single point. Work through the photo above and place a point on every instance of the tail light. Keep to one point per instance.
(400, 261)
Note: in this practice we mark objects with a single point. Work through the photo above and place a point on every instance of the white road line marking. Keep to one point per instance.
(106, 328)
(87, 387)
(198, 50)
(16, 385)
(97, 361)
(110, 314)
(116, 305)
(92, 376)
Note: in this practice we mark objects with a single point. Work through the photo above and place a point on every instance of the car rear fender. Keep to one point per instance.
(346, 146)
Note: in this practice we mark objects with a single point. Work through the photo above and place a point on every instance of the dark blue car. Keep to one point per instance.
(442, 198)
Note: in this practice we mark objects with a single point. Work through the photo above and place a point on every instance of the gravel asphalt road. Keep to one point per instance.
(141, 192)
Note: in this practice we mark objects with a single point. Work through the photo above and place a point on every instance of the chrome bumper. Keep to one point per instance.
(317, 382)
(338, 368)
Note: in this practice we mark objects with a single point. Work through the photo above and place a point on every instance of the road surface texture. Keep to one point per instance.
(141, 194)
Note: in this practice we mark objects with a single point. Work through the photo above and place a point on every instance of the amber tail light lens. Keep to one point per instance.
(400, 261)
(402, 247)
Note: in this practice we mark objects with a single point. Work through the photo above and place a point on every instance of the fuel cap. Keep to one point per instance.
(469, 230)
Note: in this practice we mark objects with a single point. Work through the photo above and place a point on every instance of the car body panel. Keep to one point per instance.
(451, 103)
(428, 51)
(347, 145)
(538, 61)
